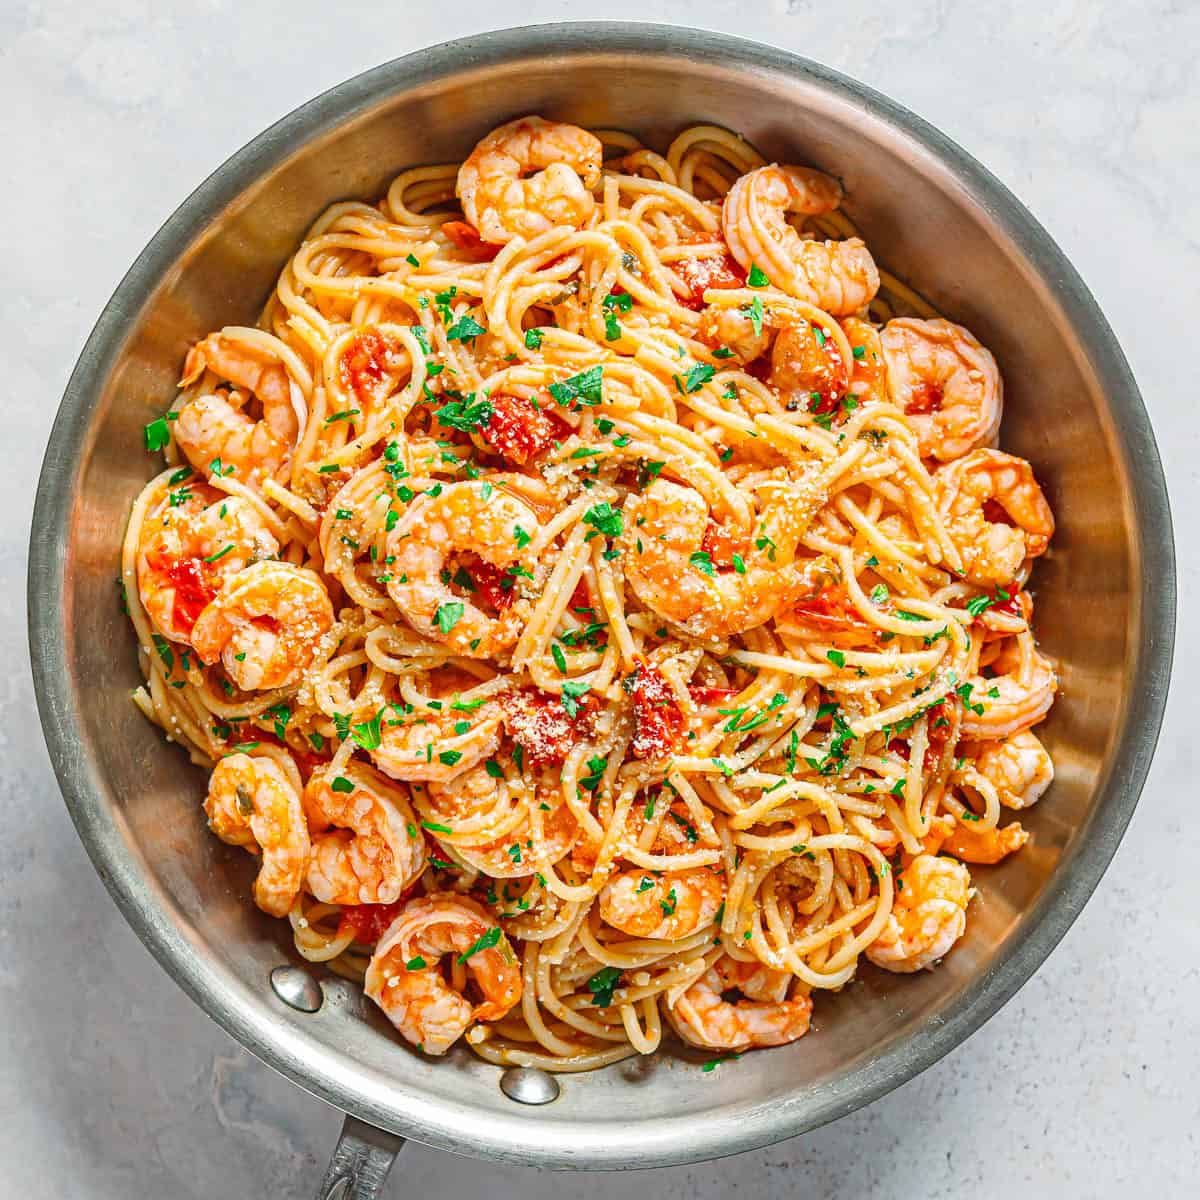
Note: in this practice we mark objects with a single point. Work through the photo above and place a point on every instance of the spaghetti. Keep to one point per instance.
(599, 601)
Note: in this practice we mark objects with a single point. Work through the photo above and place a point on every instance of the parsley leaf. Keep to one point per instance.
(602, 985)
(584, 388)
(754, 310)
(448, 615)
(368, 733)
(980, 604)
(465, 415)
(465, 329)
(157, 434)
(571, 693)
(604, 519)
(696, 378)
(486, 942)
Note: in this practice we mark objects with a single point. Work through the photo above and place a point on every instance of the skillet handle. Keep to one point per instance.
(360, 1164)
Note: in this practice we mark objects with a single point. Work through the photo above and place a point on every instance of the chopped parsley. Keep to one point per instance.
(465, 329)
(754, 310)
(584, 388)
(604, 519)
(368, 733)
(571, 693)
(280, 716)
(980, 604)
(602, 985)
(157, 434)
(485, 942)
(596, 769)
(714, 1063)
(448, 615)
(648, 472)
(695, 379)
(465, 415)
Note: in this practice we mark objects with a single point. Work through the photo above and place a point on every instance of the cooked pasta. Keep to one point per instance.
(596, 593)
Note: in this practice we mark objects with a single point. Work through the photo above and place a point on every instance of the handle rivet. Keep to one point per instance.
(528, 1085)
(297, 988)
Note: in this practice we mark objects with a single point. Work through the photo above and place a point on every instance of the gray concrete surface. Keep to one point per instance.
(112, 1084)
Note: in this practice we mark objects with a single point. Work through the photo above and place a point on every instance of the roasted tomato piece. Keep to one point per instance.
(496, 588)
(829, 613)
(699, 274)
(943, 723)
(720, 545)
(366, 362)
(544, 729)
(658, 721)
(466, 238)
(581, 598)
(194, 586)
(520, 430)
(942, 728)
(926, 398)
(369, 921)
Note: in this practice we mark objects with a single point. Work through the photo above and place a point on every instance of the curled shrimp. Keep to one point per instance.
(477, 795)
(529, 176)
(995, 514)
(214, 424)
(985, 845)
(264, 625)
(405, 973)
(1018, 767)
(807, 369)
(366, 848)
(663, 534)
(189, 545)
(946, 383)
(1019, 693)
(252, 803)
(732, 329)
(704, 1016)
(839, 277)
(438, 744)
(666, 905)
(868, 367)
(465, 518)
(929, 915)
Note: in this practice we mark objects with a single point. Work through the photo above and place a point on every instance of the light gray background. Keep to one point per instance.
(112, 1084)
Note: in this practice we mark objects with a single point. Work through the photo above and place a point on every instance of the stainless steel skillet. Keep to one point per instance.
(1106, 594)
